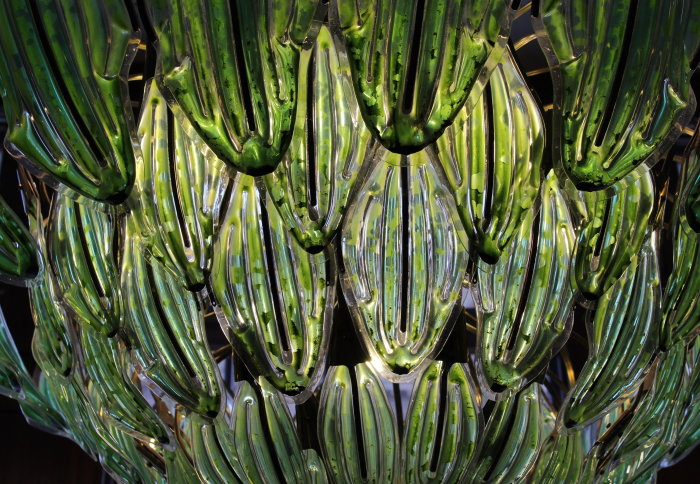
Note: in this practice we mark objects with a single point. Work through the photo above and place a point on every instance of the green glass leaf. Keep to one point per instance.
(231, 69)
(120, 400)
(312, 185)
(622, 72)
(179, 193)
(526, 298)
(243, 438)
(681, 307)
(357, 429)
(83, 257)
(274, 298)
(561, 459)
(511, 441)
(63, 66)
(492, 156)
(623, 336)
(414, 63)
(443, 423)
(611, 235)
(170, 342)
(404, 252)
(178, 468)
(18, 250)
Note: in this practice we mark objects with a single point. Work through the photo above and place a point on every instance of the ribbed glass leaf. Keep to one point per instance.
(312, 185)
(63, 67)
(414, 63)
(357, 428)
(168, 329)
(179, 193)
(83, 257)
(526, 297)
(18, 251)
(443, 424)
(405, 256)
(561, 460)
(492, 156)
(231, 69)
(611, 235)
(274, 299)
(623, 336)
(622, 81)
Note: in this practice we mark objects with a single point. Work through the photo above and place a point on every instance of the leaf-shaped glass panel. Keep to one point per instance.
(526, 297)
(231, 69)
(179, 193)
(404, 252)
(492, 157)
(18, 251)
(414, 63)
(357, 428)
(443, 423)
(621, 73)
(167, 326)
(274, 299)
(63, 70)
(623, 336)
(312, 185)
(83, 257)
(611, 235)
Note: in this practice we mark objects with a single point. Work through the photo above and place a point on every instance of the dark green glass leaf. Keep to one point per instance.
(312, 185)
(612, 233)
(443, 423)
(231, 69)
(492, 156)
(179, 193)
(414, 63)
(511, 441)
(83, 257)
(526, 297)
(623, 336)
(274, 298)
(405, 256)
(18, 251)
(561, 460)
(170, 341)
(63, 67)
(357, 429)
(622, 74)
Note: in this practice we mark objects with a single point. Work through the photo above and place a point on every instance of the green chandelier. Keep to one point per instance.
(390, 241)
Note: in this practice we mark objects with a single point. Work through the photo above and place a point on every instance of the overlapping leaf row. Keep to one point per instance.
(391, 159)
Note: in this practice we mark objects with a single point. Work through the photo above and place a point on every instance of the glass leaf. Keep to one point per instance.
(18, 250)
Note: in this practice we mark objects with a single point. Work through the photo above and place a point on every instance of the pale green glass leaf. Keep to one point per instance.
(350, 393)
(414, 63)
(63, 69)
(273, 298)
(231, 69)
(404, 252)
(526, 297)
(443, 423)
(313, 183)
(492, 157)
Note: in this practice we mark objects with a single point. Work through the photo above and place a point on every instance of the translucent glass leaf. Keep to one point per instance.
(167, 326)
(414, 63)
(357, 429)
(273, 298)
(611, 235)
(83, 257)
(231, 69)
(443, 424)
(526, 297)
(561, 459)
(510, 443)
(179, 193)
(623, 336)
(312, 185)
(63, 70)
(18, 259)
(404, 252)
(622, 78)
(492, 156)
